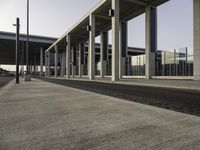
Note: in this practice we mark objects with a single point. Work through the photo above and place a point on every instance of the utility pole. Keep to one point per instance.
(17, 49)
(27, 76)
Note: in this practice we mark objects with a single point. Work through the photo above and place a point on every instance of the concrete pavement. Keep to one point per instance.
(41, 115)
(5, 80)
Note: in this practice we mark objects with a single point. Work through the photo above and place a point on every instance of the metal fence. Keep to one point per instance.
(177, 62)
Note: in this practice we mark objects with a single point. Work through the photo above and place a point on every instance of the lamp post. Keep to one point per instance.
(27, 40)
(27, 76)
(17, 48)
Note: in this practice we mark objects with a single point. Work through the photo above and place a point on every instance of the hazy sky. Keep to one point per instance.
(54, 17)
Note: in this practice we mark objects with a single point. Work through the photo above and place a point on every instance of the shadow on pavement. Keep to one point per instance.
(185, 101)
(5, 80)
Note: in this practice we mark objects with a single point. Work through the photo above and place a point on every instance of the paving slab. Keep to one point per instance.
(38, 115)
(5, 80)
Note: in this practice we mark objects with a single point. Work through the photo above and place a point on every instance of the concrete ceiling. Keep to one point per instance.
(7, 47)
(129, 9)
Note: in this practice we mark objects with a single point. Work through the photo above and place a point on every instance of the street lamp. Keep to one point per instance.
(27, 76)
(17, 48)
(27, 40)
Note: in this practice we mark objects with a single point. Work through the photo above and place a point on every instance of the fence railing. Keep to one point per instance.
(177, 62)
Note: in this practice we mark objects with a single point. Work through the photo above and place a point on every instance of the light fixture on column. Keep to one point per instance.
(88, 28)
(111, 12)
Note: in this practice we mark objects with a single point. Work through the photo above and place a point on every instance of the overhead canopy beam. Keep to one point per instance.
(126, 13)
(79, 35)
(103, 17)
(139, 2)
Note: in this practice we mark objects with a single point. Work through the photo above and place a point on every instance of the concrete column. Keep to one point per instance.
(30, 69)
(115, 40)
(104, 53)
(74, 59)
(196, 23)
(81, 58)
(63, 64)
(68, 49)
(48, 63)
(123, 42)
(37, 69)
(34, 65)
(91, 46)
(151, 41)
(45, 61)
(41, 61)
(56, 61)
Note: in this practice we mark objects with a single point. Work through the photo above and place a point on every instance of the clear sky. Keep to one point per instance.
(54, 17)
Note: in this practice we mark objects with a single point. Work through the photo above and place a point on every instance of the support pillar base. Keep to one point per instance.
(81, 70)
(122, 67)
(27, 77)
(197, 77)
(150, 68)
(104, 68)
(73, 71)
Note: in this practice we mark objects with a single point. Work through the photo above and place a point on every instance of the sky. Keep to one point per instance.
(54, 17)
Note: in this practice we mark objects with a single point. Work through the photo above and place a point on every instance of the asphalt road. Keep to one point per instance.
(186, 101)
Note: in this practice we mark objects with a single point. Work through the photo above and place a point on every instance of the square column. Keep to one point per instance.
(81, 58)
(150, 41)
(56, 61)
(45, 64)
(41, 61)
(196, 9)
(34, 65)
(91, 46)
(103, 53)
(115, 40)
(123, 42)
(68, 49)
(48, 63)
(74, 59)
(63, 64)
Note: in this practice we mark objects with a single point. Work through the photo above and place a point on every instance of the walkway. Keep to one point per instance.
(5, 80)
(40, 115)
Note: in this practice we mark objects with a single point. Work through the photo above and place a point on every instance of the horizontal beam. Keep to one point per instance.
(103, 17)
(80, 35)
(139, 2)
